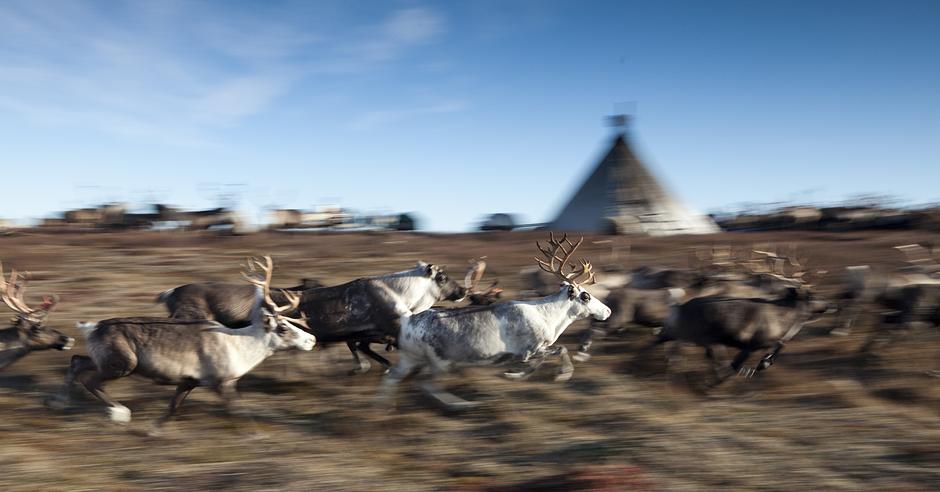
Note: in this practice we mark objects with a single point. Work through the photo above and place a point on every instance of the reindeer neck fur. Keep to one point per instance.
(252, 344)
(12, 338)
(12, 347)
(412, 287)
(553, 313)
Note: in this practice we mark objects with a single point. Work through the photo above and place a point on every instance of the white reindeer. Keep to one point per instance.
(435, 341)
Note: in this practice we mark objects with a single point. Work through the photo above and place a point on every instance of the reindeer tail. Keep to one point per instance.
(164, 296)
(86, 327)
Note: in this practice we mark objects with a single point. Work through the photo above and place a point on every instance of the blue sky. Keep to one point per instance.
(456, 109)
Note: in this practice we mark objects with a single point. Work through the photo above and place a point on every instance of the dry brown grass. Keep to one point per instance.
(821, 418)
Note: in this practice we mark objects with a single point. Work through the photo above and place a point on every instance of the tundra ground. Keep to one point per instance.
(821, 418)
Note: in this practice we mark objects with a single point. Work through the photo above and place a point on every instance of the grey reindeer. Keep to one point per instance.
(28, 331)
(187, 353)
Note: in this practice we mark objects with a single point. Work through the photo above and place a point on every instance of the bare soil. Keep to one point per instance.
(822, 418)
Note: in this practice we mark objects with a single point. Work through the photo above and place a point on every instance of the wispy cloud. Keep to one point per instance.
(373, 119)
(402, 30)
(175, 73)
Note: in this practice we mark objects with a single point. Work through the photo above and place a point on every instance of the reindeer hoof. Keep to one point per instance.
(56, 402)
(516, 375)
(119, 414)
(155, 430)
(462, 406)
(563, 376)
(934, 373)
(581, 356)
(360, 370)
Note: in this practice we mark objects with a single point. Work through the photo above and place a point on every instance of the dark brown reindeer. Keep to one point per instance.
(28, 331)
(651, 291)
(745, 323)
(187, 353)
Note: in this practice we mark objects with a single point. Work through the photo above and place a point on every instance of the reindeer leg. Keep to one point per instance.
(402, 370)
(768, 360)
(587, 339)
(738, 363)
(77, 365)
(566, 369)
(228, 392)
(93, 382)
(182, 391)
(881, 336)
(530, 366)
(721, 371)
(366, 349)
(847, 316)
(363, 365)
(450, 401)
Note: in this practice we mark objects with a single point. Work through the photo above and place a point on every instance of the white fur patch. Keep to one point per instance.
(119, 414)
(676, 294)
(305, 341)
(86, 327)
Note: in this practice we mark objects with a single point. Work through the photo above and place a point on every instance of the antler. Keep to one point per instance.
(798, 266)
(916, 254)
(267, 269)
(558, 270)
(12, 293)
(302, 321)
(472, 281)
(474, 273)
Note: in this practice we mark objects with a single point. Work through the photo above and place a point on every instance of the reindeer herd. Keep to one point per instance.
(218, 332)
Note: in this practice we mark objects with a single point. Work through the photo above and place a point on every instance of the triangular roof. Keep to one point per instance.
(621, 195)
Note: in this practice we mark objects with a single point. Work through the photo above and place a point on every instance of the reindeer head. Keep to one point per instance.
(31, 322)
(288, 330)
(558, 253)
(447, 288)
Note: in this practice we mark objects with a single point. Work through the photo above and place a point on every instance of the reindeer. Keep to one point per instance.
(646, 299)
(472, 280)
(745, 323)
(359, 312)
(643, 307)
(438, 340)
(227, 303)
(187, 353)
(910, 295)
(906, 292)
(28, 331)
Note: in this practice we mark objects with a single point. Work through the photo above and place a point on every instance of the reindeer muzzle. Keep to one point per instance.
(65, 343)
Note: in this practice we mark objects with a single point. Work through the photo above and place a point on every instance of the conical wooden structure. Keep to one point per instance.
(622, 196)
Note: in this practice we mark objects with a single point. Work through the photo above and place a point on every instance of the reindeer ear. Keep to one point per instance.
(429, 270)
(267, 320)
